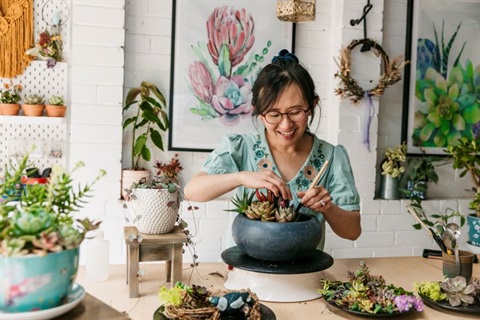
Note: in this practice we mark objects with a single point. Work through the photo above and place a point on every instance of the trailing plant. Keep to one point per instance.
(41, 218)
(150, 118)
(420, 171)
(391, 165)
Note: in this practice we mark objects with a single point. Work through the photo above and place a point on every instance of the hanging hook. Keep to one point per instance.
(366, 9)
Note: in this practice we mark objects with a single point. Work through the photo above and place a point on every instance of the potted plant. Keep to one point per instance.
(33, 105)
(155, 201)
(392, 171)
(264, 219)
(421, 171)
(56, 106)
(148, 120)
(40, 239)
(9, 98)
(466, 157)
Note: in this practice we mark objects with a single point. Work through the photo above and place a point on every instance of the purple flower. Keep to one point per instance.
(476, 130)
(234, 28)
(232, 99)
(405, 302)
(201, 81)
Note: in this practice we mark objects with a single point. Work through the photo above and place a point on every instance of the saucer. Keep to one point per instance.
(74, 297)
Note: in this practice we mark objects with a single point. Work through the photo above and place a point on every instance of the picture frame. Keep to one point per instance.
(210, 83)
(440, 103)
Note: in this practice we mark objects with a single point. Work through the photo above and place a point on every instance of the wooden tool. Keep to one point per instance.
(313, 184)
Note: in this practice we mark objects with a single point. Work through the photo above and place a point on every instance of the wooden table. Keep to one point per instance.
(91, 308)
(400, 271)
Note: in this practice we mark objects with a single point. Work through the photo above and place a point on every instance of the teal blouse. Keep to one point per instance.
(250, 152)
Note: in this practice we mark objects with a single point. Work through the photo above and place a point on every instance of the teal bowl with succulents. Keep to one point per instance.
(34, 282)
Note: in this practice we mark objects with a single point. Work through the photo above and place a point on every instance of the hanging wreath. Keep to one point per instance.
(349, 87)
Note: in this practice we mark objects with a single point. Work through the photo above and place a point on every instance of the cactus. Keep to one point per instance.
(56, 101)
(34, 99)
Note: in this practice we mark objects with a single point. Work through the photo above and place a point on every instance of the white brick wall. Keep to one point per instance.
(100, 69)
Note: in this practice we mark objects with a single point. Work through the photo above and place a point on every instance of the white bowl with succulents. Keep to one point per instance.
(39, 239)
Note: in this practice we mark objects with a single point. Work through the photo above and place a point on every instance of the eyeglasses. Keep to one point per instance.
(295, 115)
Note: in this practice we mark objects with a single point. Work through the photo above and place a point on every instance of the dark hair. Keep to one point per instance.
(284, 70)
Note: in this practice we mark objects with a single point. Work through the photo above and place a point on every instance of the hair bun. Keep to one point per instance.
(284, 56)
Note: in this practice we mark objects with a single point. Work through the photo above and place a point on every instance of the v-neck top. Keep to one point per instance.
(251, 152)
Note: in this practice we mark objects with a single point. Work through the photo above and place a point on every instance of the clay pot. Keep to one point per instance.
(33, 110)
(55, 111)
(9, 109)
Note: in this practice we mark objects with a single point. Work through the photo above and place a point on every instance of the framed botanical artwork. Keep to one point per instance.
(218, 48)
(441, 100)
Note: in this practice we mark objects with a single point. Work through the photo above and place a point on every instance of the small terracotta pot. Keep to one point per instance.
(33, 110)
(9, 109)
(55, 111)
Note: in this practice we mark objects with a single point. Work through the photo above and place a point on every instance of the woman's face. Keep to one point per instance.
(283, 130)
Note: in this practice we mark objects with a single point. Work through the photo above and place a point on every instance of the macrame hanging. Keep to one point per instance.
(16, 36)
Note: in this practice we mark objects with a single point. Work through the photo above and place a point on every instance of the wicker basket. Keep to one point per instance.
(296, 10)
(191, 309)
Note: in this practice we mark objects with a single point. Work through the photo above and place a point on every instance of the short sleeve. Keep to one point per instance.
(342, 184)
(228, 157)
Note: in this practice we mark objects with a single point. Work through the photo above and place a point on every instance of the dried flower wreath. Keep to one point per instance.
(349, 87)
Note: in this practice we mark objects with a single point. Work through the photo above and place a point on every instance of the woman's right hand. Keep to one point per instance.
(266, 179)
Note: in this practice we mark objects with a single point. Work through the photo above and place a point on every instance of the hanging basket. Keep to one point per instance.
(296, 10)
(156, 210)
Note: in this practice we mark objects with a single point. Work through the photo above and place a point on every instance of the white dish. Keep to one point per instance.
(74, 297)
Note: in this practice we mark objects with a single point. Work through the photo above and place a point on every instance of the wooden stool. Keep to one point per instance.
(154, 247)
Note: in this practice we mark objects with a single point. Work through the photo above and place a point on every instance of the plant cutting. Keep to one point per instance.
(454, 291)
(33, 105)
(466, 158)
(40, 238)
(149, 119)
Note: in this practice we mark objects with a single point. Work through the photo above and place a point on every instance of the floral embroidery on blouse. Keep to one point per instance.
(310, 170)
(261, 155)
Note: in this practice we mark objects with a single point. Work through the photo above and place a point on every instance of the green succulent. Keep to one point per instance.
(458, 291)
(56, 101)
(261, 210)
(242, 202)
(34, 99)
(284, 213)
(448, 108)
(70, 237)
(31, 221)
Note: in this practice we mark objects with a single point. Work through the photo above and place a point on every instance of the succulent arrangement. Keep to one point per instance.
(456, 291)
(56, 101)
(40, 219)
(266, 207)
(368, 294)
(34, 99)
(393, 158)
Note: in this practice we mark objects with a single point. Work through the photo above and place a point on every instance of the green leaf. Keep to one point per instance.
(224, 63)
(156, 138)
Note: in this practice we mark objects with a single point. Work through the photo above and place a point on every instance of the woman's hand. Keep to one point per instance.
(266, 179)
(317, 198)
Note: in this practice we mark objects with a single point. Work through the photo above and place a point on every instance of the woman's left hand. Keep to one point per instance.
(317, 198)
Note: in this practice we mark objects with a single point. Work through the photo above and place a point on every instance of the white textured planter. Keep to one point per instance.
(157, 208)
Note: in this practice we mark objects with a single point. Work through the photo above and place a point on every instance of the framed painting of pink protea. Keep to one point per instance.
(218, 48)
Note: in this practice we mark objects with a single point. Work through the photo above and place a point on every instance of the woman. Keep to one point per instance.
(284, 157)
